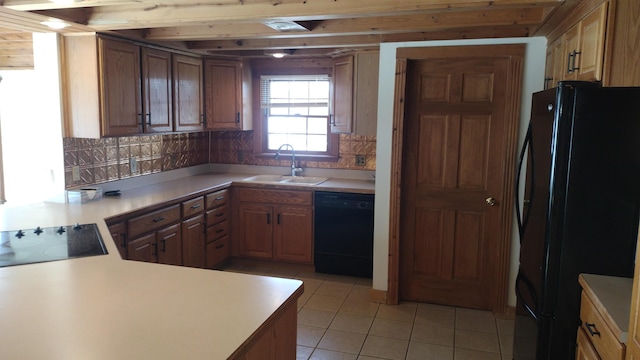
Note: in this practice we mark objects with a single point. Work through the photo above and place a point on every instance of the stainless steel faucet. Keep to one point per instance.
(295, 171)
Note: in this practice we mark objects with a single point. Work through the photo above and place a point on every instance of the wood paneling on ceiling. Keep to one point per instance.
(233, 27)
(16, 50)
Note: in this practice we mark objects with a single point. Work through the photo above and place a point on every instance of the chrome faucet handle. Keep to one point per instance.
(296, 171)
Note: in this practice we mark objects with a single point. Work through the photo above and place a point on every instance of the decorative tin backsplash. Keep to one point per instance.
(110, 159)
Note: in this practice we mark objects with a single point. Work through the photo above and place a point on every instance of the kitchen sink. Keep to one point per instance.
(286, 179)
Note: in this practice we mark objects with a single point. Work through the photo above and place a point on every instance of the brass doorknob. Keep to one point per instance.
(490, 201)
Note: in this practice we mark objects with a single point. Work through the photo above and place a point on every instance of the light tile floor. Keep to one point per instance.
(336, 320)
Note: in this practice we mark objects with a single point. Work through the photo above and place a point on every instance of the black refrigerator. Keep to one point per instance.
(580, 210)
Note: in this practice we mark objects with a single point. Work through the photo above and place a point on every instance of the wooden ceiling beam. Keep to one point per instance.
(355, 41)
(357, 26)
(348, 6)
(179, 13)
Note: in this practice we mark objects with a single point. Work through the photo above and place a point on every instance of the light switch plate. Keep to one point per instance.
(133, 164)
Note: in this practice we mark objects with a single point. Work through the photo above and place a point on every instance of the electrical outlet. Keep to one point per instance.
(240, 156)
(361, 160)
(75, 173)
(133, 164)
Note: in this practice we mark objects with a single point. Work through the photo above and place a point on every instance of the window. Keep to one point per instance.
(296, 111)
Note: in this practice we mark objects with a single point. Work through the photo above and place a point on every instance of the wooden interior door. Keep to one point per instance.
(453, 179)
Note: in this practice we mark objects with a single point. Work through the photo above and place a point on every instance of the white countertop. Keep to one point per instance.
(103, 307)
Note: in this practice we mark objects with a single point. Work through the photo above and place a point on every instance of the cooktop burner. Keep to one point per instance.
(28, 246)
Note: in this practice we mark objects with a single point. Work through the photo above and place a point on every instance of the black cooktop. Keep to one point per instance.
(27, 246)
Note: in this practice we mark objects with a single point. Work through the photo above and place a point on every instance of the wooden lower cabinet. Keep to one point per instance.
(276, 232)
(118, 231)
(217, 247)
(585, 350)
(163, 246)
(276, 340)
(597, 335)
(193, 242)
(293, 233)
(255, 231)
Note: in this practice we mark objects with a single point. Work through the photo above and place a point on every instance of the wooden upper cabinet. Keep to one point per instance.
(157, 90)
(115, 87)
(187, 76)
(227, 95)
(120, 88)
(342, 96)
(579, 53)
(571, 42)
(592, 36)
(365, 102)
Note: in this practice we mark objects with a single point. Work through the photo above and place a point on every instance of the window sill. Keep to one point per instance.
(300, 157)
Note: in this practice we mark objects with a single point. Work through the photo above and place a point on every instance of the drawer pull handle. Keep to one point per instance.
(219, 246)
(591, 328)
(220, 198)
(219, 231)
(158, 219)
(196, 206)
(219, 214)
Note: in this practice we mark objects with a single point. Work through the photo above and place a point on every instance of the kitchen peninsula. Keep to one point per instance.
(109, 308)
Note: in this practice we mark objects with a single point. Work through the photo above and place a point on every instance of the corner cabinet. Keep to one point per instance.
(275, 224)
(116, 87)
(227, 95)
(579, 53)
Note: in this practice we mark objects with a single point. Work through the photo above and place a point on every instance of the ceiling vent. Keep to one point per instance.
(288, 26)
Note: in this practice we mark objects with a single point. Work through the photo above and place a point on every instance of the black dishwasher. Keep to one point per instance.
(343, 233)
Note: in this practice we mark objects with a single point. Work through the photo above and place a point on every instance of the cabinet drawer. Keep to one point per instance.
(217, 198)
(217, 215)
(153, 220)
(601, 336)
(217, 231)
(275, 196)
(217, 252)
(192, 207)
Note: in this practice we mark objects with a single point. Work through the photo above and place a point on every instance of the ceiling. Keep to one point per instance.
(239, 27)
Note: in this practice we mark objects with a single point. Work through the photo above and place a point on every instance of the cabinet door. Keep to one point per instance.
(119, 236)
(549, 66)
(342, 104)
(585, 350)
(223, 94)
(193, 238)
(255, 231)
(157, 87)
(571, 40)
(591, 56)
(365, 121)
(120, 88)
(144, 248)
(169, 245)
(293, 233)
(187, 73)
(560, 62)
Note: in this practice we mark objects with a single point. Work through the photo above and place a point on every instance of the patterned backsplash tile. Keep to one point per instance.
(109, 159)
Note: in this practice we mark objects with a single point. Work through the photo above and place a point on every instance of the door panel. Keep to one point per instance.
(452, 161)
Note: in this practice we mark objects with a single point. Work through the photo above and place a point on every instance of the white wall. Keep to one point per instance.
(533, 80)
(30, 111)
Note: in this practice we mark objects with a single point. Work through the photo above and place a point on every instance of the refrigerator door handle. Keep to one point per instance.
(522, 279)
(524, 217)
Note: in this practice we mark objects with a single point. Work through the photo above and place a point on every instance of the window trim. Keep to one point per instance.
(289, 68)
